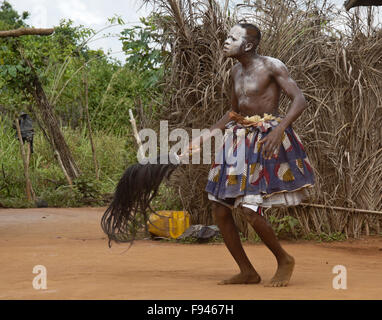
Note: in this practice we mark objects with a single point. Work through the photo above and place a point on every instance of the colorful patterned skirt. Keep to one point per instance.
(241, 175)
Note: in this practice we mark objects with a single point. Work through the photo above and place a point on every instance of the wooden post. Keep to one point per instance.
(28, 184)
(367, 230)
(136, 135)
(28, 153)
(26, 32)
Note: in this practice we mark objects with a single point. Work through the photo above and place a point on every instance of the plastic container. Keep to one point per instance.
(168, 224)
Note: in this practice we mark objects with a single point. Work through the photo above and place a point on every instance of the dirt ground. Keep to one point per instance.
(73, 249)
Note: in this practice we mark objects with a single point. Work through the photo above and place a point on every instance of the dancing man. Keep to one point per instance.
(276, 170)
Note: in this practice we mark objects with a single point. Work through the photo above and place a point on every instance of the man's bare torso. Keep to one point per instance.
(255, 90)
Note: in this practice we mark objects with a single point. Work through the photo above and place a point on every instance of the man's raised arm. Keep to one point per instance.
(280, 73)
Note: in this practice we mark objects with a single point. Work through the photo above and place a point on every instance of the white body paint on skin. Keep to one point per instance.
(234, 41)
(276, 62)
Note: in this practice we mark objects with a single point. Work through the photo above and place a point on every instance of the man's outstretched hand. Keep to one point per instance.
(191, 149)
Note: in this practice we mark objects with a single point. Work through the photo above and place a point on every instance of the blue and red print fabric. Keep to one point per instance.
(233, 176)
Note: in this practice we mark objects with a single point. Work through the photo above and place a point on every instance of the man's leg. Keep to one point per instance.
(285, 262)
(224, 220)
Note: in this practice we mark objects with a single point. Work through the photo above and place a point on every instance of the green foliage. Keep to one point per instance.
(285, 227)
(87, 187)
(325, 237)
(63, 196)
(16, 203)
(142, 56)
(47, 178)
(61, 62)
(167, 199)
(11, 185)
(50, 57)
(288, 227)
(111, 98)
(9, 18)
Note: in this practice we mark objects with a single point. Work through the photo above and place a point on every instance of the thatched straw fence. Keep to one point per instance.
(336, 59)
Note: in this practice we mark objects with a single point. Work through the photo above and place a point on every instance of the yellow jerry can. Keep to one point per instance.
(168, 224)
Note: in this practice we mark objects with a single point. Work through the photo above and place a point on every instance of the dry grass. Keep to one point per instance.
(339, 71)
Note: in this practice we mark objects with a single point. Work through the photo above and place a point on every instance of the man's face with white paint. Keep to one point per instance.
(235, 43)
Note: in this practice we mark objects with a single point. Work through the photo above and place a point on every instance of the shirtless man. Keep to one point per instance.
(257, 84)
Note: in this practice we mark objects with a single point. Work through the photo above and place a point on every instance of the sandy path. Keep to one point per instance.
(72, 247)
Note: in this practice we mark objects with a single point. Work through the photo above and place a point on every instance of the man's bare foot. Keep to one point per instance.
(283, 274)
(243, 278)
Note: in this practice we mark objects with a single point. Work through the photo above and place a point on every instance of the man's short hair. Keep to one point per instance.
(253, 32)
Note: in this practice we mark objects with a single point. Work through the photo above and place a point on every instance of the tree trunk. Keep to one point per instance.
(52, 125)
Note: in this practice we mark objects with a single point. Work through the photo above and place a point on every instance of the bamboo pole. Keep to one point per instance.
(340, 208)
(28, 184)
(57, 155)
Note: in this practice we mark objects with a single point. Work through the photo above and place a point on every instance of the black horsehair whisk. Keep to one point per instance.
(135, 190)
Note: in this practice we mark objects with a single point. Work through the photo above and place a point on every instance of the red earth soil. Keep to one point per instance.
(70, 244)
